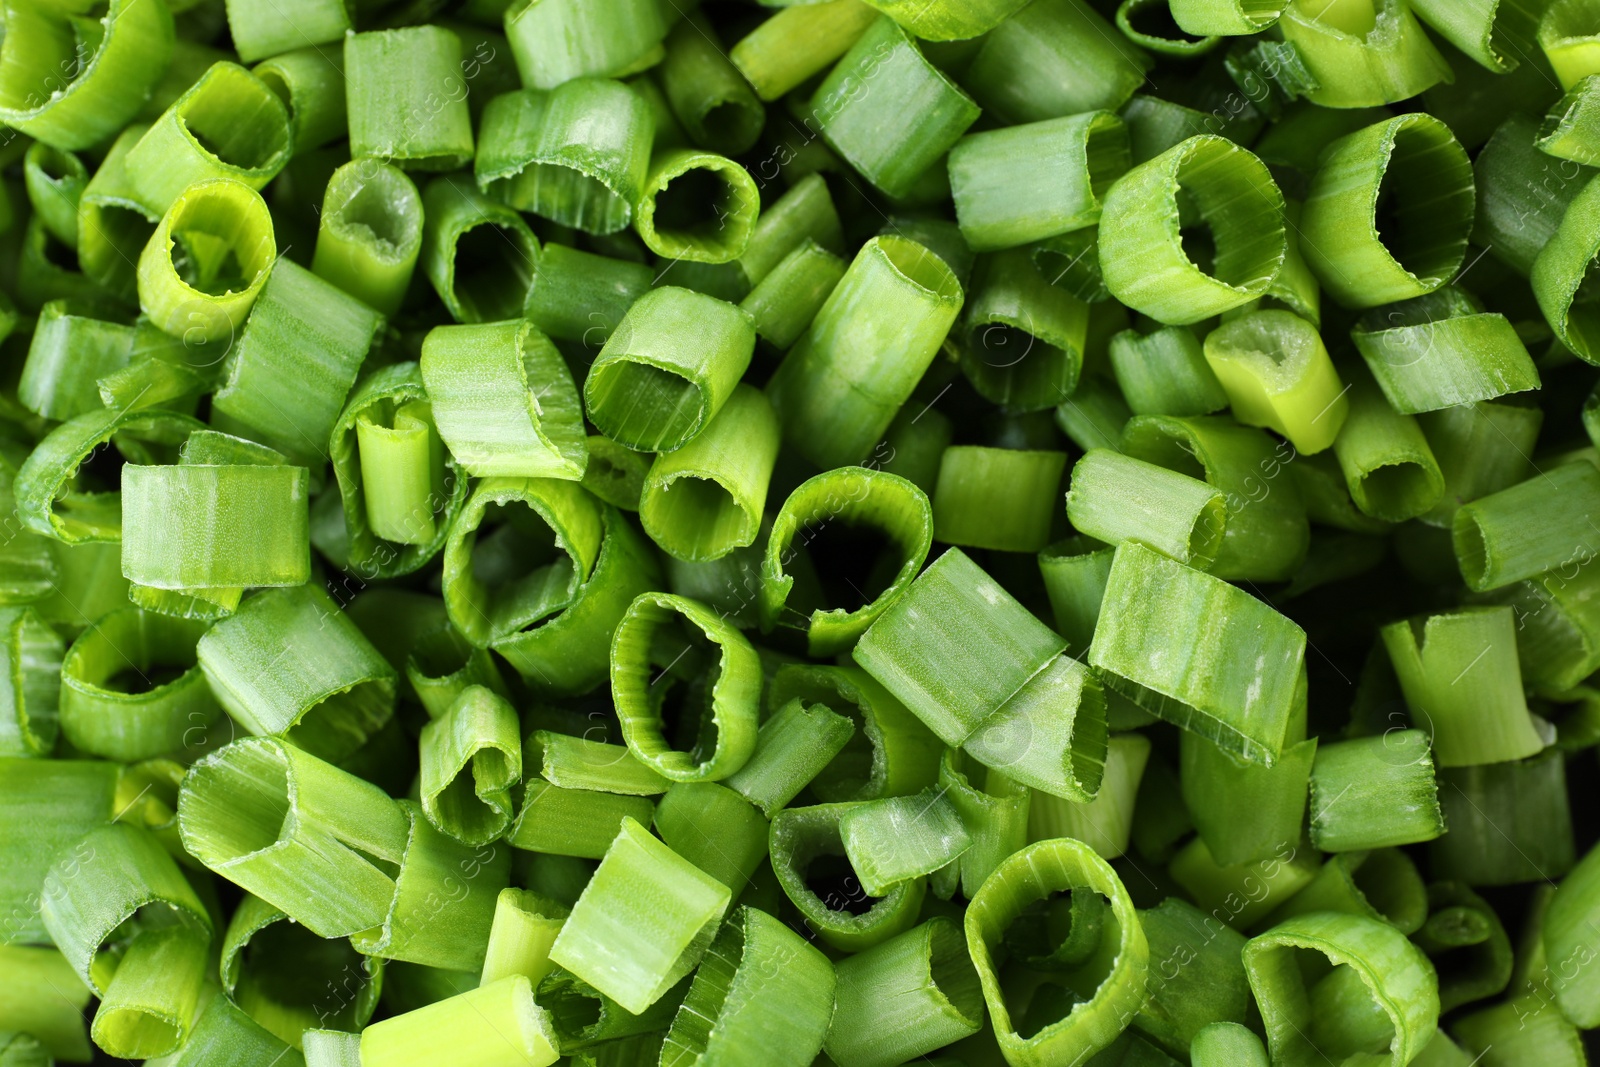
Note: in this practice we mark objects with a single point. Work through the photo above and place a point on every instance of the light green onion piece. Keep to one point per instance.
(890, 840)
(1239, 680)
(54, 804)
(1142, 255)
(580, 296)
(1195, 975)
(1245, 812)
(808, 857)
(1014, 311)
(1567, 36)
(1106, 822)
(1570, 127)
(479, 254)
(1116, 498)
(913, 115)
(1376, 994)
(839, 388)
(1142, 23)
(839, 503)
(471, 757)
(419, 120)
(555, 41)
(792, 748)
(995, 812)
(998, 498)
(504, 401)
(525, 926)
(310, 82)
(580, 763)
(634, 946)
(715, 829)
(1558, 631)
(785, 301)
(1112, 981)
(222, 232)
(668, 368)
(1442, 351)
(369, 233)
(497, 1025)
(1389, 211)
(760, 992)
(31, 662)
(1233, 18)
(721, 722)
(223, 1030)
(331, 1048)
(44, 1003)
(228, 124)
(573, 822)
(1388, 467)
(805, 212)
(1373, 792)
(697, 206)
(1074, 573)
(577, 155)
(1053, 59)
(1509, 822)
(1165, 373)
(290, 664)
(442, 663)
(1459, 673)
(1362, 54)
(798, 42)
(111, 705)
(113, 226)
(73, 347)
(1525, 1029)
(261, 30)
(586, 1018)
(55, 180)
(287, 375)
(1383, 884)
(1499, 34)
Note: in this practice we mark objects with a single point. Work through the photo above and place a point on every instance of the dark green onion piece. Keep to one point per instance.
(369, 233)
(1014, 311)
(1372, 792)
(1465, 939)
(716, 106)
(1569, 129)
(310, 82)
(1054, 59)
(479, 254)
(31, 658)
(113, 226)
(898, 128)
(1383, 884)
(1524, 1029)
(555, 42)
(1388, 467)
(419, 119)
(51, 805)
(1389, 210)
(1558, 626)
(1362, 54)
(998, 498)
(55, 181)
(577, 154)
(1245, 812)
(1195, 975)
(1151, 32)
(1496, 545)
(1115, 498)
(442, 663)
(583, 1018)
(573, 822)
(789, 297)
(1509, 822)
(697, 206)
(792, 748)
(1522, 193)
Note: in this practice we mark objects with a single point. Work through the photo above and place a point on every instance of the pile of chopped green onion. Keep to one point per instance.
(773, 533)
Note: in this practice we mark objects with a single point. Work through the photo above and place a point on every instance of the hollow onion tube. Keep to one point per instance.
(1383, 884)
(725, 734)
(471, 757)
(998, 498)
(631, 945)
(993, 809)
(1388, 467)
(709, 97)
(525, 926)
(225, 234)
(497, 1025)
(479, 254)
(100, 715)
(1523, 194)
(577, 154)
(1165, 372)
(1115, 498)
(808, 857)
(1024, 339)
(442, 663)
(1570, 127)
(1194, 978)
(983, 674)
(1459, 673)
(1389, 211)
(1465, 939)
(679, 220)
(1071, 261)
(1560, 275)
(399, 488)
(1509, 822)
(1025, 183)
(1567, 37)
(418, 121)
(761, 992)
(1498, 34)
(792, 748)
(573, 822)
(1362, 54)
(891, 752)
(73, 347)
(581, 763)
(290, 664)
(856, 498)
(1074, 571)
(48, 500)
(888, 111)
(287, 375)
(504, 401)
(311, 85)
(796, 43)
(369, 233)
(116, 69)
(1112, 983)
(1266, 533)
(1142, 257)
(1441, 351)
(1233, 18)
(668, 368)
(228, 124)
(288, 979)
(1240, 680)
(705, 499)
(1245, 812)
(261, 30)
(579, 296)
(30, 661)
(113, 226)
(555, 41)
(1053, 59)
(51, 805)
(839, 388)
(585, 1018)
(1372, 792)
(55, 180)
(890, 840)
(1161, 36)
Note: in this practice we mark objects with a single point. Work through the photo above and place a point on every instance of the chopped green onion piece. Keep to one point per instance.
(1241, 896)
(722, 739)
(50, 806)
(1074, 573)
(577, 154)
(525, 926)
(1389, 210)
(1499, 34)
(1159, 34)
(711, 99)
(891, 840)
(1509, 822)
(228, 124)
(55, 181)
(1387, 464)
(44, 1000)
(792, 748)
(1230, 192)
(1165, 373)
(1496, 545)
(31, 662)
(442, 664)
(668, 368)
(697, 206)
(113, 226)
(331, 1048)
(497, 1025)
(1203, 18)
(1468, 944)
(1245, 812)
(1527, 1029)
(995, 812)
(471, 758)
(1013, 310)
(555, 41)
(1569, 129)
(1228, 1044)
(504, 401)
(580, 296)
(1115, 498)
(584, 1018)
(1522, 194)
(1112, 980)
(808, 856)
(261, 30)
(221, 232)
(805, 212)
(310, 82)
(1195, 976)
(479, 254)
(1373, 792)
(785, 302)
(1383, 885)
(798, 42)
(369, 233)
(225, 1032)
(1106, 822)
(407, 99)
(715, 829)
(1567, 35)
(1053, 59)
(1363, 53)
(103, 710)
(839, 388)
(74, 346)
(573, 822)
(579, 763)
(998, 498)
